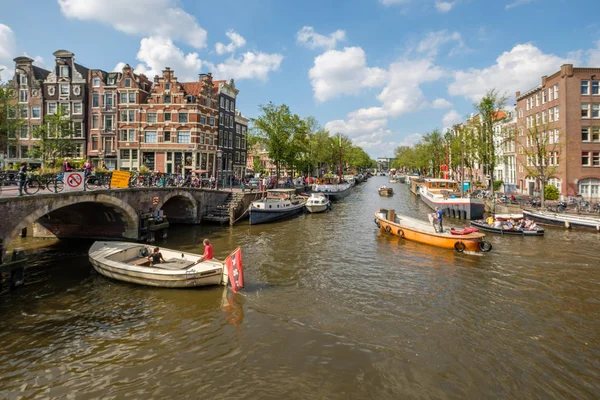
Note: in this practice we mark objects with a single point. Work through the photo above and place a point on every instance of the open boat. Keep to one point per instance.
(129, 262)
(420, 231)
(277, 205)
(317, 202)
(386, 191)
(564, 220)
(483, 226)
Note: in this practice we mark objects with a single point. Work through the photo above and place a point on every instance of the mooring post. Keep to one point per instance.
(17, 274)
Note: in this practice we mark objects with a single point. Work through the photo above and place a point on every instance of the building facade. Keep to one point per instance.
(66, 91)
(504, 137)
(241, 144)
(28, 86)
(565, 109)
(227, 94)
(178, 125)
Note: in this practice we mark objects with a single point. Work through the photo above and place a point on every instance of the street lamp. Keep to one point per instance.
(219, 155)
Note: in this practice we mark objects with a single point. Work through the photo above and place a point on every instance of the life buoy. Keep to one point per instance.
(485, 246)
(388, 229)
(459, 246)
(400, 233)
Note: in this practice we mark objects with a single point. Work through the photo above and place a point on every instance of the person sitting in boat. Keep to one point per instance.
(208, 251)
(156, 256)
(490, 220)
(498, 224)
(510, 224)
(527, 223)
(533, 226)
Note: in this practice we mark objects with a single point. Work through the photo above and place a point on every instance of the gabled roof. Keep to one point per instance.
(40, 73)
(82, 70)
(192, 88)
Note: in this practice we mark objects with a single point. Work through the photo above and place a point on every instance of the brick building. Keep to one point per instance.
(227, 94)
(66, 89)
(28, 86)
(178, 125)
(241, 144)
(565, 108)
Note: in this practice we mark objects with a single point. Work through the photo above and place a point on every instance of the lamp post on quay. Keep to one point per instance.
(219, 155)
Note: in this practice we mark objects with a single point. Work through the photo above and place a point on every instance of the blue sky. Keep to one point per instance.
(383, 72)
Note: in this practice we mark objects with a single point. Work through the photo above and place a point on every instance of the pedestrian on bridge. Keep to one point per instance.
(22, 177)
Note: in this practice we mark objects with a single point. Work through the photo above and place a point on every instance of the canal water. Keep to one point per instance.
(333, 309)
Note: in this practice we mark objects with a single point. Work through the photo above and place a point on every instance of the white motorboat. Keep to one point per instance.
(393, 180)
(442, 193)
(129, 262)
(334, 189)
(317, 202)
(277, 205)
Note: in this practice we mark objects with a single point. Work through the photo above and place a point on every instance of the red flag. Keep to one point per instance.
(235, 270)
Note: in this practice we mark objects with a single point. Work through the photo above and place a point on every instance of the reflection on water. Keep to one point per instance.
(333, 308)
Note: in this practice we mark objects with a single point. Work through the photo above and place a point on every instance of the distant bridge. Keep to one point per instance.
(102, 213)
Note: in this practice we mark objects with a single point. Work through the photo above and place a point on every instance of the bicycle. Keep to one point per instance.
(31, 186)
(55, 184)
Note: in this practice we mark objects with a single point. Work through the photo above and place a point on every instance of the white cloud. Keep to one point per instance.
(237, 41)
(519, 69)
(593, 56)
(250, 65)
(140, 17)
(356, 126)
(444, 6)
(441, 103)
(313, 40)
(393, 2)
(383, 143)
(433, 41)
(450, 119)
(345, 71)
(8, 48)
(517, 3)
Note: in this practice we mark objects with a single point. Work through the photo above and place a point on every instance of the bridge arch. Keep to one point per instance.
(180, 206)
(128, 215)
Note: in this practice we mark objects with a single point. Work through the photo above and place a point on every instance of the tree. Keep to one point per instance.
(435, 150)
(55, 139)
(542, 151)
(489, 115)
(10, 118)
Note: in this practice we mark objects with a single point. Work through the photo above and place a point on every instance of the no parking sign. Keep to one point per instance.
(74, 181)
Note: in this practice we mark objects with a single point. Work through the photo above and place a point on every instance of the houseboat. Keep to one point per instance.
(333, 188)
(443, 193)
(277, 205)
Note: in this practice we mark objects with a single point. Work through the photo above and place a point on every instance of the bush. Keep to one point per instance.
(497, 185)
(551, 192)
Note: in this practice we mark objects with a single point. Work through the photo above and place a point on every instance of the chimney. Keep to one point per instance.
(518, 95)
(544, 80)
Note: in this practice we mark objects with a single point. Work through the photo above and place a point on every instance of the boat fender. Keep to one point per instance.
(143, 252)
(400, 233)
(485, 246)
(567, 224)
(459, 246)
(388, 229)
(376, 222)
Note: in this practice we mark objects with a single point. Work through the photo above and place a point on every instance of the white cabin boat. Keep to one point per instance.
(442, 193)
(317, 202)
(129, 262)
(334, 189)
(277, 205)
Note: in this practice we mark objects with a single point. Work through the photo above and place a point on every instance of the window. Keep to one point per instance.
(95, 121)
(132, 97)
(23, 132)
(537, 118)
(202, 136)
(585, 158)
(520, 113)
(77, 130)
(95, 100)
(64, 71)
(183, 137)
(556, 111)
(65, 108)
(12, 151)
(220, 118)
(167, 99)
(183, 117)
(596, 134)
(221, 102)
(24, 150)
(150, 136)
(595, 110)
(167, 116)
(167, 86)
(203, 119)
(227, 104)
(237, 142)
(111, 81)
(127, 115)
(35, 112)
(108, 144)
(551, 114)
(596, 159)
(212, 121)
(237, 129)
(220, 137)
(23, 95)
(108, 122)
(167, 136)
(94, 142)
(585, 134)
(151, 118)
(537, 99)
(77, 108)
(527, 105)
(585, 110)
(23, 79)
(550, 97)
(544, 96)
(123, 98)
(64, 88)
(595, 87)
(544, 117)
(23, 112)
(556, 91)
(585, 87)
(108, 100)
(96, 82)
(127, 82)
(232, 107)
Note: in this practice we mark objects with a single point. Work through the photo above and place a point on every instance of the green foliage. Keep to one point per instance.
(144, 170)
(10, 120)
(551, 192)
(55, 139)
(497, 185)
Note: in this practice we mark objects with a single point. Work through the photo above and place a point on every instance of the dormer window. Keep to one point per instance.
(96, 82)
(111, 81)
(23, 79)
(167, 86)
(64, 71)
(127, 82)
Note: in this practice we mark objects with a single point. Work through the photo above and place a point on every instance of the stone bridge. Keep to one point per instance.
(101, 213)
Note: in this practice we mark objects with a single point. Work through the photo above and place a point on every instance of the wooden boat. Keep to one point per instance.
(442, 193)
(483, 226)
(317, 202)
(386, 191)
(333, 188)
(420, 231)
(129, 262)
(277, 205)
(564, 220)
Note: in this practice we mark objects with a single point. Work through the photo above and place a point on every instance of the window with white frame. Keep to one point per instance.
(131, 96)
(550, 94)
(222, 102)
(127, 82)
(537, 99)
(537, 119)
(520, 113)
(596, 110)
(585, 87)
(212, 121)
(203, 119)
(35, 112)
(95, 120)
(527, 104)
(65, 108)
(52, 108)
(23, 132)
(183, 118)
(585, 158)
(150, 137)
(64, 71)
(585, 110)
(96, 82)
(151, 118)
(108, 100)
(183, 137)
(78, 130)
(556, 111)
(544, 98)
(64, 88)
(128, 135)
(595, 87)
(596, 134)
(23, 79)
(556, 91)
(77, 108)
(551, 114)
(23, 95)
(108, 123)
(585, 134)
(95, 100)
(123, 96)
(596, 159)
(221, 120)
(544, 117)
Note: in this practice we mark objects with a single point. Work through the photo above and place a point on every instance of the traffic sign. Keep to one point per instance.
(119, 179)
(74, 181)
(155, 200)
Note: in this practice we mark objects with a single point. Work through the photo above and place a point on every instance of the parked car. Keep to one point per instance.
(253, 184)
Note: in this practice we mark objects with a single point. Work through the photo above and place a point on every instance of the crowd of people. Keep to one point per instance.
(522, 224)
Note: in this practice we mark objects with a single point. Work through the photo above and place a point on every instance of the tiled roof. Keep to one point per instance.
(216, 84)
(192, 88)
